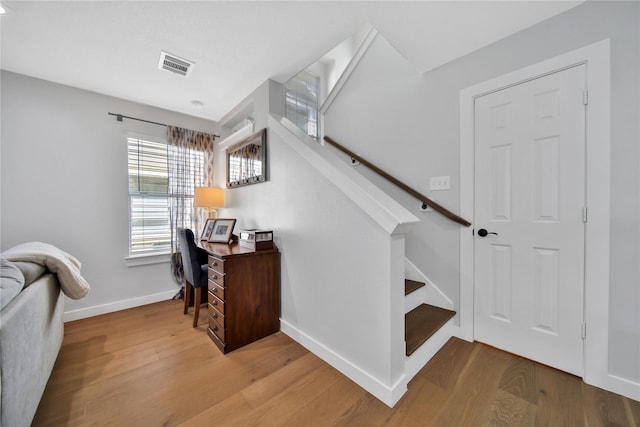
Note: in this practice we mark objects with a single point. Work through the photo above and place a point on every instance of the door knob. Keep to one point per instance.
(483, 232)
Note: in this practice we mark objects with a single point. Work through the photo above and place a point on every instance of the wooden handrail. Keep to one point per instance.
(424, 199)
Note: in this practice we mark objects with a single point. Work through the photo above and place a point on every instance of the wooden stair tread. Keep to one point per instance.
(421, 323)
(411, 285)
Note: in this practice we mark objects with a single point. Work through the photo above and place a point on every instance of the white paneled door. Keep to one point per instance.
(530, 211)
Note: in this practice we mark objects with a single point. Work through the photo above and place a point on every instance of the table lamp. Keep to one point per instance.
(210, 198)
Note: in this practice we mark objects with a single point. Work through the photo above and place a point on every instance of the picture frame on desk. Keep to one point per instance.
(222, 230)
(207, 229)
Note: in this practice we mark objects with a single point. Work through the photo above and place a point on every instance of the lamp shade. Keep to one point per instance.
(208, 197)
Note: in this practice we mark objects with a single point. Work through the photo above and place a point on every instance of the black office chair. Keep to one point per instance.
(194, 263)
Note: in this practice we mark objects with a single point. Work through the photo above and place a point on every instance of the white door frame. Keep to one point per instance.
(596, 308)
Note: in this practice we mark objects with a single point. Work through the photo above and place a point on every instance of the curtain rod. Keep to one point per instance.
(119, 117)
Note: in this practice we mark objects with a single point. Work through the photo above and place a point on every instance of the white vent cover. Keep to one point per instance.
(175, 64)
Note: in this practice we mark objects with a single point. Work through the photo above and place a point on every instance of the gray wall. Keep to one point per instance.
(408, 124)
(64, 181)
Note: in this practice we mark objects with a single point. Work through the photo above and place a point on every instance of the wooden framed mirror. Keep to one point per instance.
(247, 161)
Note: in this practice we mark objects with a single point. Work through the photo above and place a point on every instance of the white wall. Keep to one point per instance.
(64, 181)
(335, 263)
(408, 125)
(380, 115)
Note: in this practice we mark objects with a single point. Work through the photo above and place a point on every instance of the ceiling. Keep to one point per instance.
(113, 47)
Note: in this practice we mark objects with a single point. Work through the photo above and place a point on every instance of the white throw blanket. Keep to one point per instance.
(64, 265)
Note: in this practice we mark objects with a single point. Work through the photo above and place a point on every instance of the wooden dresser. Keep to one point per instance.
(244, 294)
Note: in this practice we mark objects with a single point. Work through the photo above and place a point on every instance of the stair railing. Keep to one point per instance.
(424, 199)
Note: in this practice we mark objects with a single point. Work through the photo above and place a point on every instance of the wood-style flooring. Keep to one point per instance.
(148, 367)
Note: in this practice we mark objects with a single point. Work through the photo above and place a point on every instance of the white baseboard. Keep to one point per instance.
(117, 306)
(625, 387)
(615, 384)
(389, 395)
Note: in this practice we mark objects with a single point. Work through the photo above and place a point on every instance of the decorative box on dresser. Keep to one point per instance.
(244, 294)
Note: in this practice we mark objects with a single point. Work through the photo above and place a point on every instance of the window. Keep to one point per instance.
(302, 95)
(151, 198)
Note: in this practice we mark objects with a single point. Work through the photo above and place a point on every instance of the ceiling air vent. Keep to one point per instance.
(175, 64)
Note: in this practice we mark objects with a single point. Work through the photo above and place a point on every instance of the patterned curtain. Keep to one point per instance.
(190, 166)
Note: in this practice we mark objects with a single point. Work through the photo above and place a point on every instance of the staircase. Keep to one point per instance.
(427, 326)
(422, 322)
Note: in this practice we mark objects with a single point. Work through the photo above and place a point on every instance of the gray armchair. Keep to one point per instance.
(194, 263)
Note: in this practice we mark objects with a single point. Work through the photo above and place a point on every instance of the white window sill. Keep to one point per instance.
(147, 259)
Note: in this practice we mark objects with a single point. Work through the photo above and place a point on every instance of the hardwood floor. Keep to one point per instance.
(148, 367)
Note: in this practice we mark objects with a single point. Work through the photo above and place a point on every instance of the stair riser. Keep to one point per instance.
(432, 293)
(426, 351)
(414, 299)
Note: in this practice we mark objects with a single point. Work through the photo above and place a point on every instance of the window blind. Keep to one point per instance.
(150, 200)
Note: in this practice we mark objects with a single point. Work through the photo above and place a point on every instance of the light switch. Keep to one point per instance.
(440, 183)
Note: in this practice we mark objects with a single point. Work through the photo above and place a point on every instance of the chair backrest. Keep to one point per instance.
(189, 252)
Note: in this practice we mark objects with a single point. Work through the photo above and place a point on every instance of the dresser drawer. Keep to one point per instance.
(216, 289)
(216, 264)
(221, 345)
(217, 303)
(217, 329)
(216, 277)
(216, 315)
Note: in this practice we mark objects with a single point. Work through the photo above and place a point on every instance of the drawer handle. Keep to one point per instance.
(215, 264)
(215, 290)
(214, 302)
(215, 329)
(215, 276)
(215, 315)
